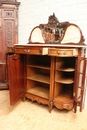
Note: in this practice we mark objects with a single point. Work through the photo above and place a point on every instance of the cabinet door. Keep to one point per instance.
(80, 89)
(16, 77)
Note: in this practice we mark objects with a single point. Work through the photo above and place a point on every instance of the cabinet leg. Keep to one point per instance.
(75, 107)
(50, 106)
(23, 99)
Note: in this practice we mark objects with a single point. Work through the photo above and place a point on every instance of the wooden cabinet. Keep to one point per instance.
(51, 68)
(8, 34)
(53, 79)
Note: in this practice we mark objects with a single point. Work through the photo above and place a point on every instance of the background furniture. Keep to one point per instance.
(8, 34)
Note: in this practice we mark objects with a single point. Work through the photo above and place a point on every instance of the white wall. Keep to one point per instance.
(34, 12)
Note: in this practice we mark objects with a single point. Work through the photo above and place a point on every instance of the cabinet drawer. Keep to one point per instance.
(63, 52)
(36, 51)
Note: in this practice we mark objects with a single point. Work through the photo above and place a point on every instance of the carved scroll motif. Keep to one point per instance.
(9, 33)
(56, 32)
(53, 31)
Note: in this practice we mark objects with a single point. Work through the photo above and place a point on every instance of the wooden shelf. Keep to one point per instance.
(39, 91)
(39, 66)
(64, 98)
(66, 69)
(65, 80)
(40, 78)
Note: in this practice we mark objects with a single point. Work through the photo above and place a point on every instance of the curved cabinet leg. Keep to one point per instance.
(75, 107)
(23, 99)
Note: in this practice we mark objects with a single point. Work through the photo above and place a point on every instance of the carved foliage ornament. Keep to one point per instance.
(56, 32)
(8, 33)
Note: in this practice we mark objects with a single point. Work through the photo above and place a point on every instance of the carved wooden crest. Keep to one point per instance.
(56, 32)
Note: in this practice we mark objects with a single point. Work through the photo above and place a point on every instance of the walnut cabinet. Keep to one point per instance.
(52, 75)
(8, 34)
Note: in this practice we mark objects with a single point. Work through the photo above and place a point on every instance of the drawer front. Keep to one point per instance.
(36, 51)
(63, 52)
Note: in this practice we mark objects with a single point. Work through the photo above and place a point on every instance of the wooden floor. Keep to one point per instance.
(33, 116)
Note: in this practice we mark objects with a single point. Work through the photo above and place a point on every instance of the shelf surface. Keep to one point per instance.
(40, 78)
(39, 66)
(64, 98)
(66, 69)
(39, 91)
(65, 80)
(51, 45)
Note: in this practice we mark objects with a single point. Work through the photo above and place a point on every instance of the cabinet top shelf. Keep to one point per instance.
(51, 45)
